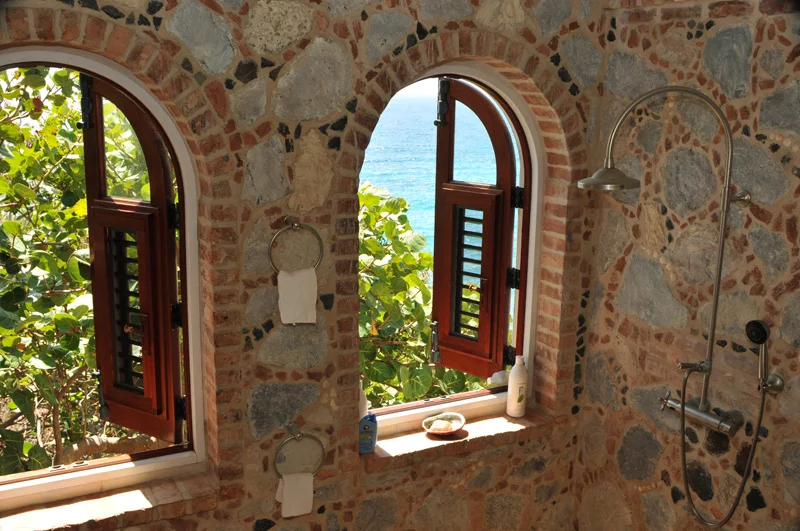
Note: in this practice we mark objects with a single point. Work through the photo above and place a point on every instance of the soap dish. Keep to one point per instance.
(446, 423)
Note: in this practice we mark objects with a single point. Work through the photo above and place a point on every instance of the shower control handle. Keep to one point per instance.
(700, 366)
(665, 400)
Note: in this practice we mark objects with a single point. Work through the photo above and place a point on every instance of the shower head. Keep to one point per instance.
(608, 179)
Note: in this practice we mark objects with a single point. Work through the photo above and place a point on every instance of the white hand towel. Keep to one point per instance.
(295, 494)
(297, 296)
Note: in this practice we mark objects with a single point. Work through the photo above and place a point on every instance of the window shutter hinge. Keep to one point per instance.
(180, 408)
(509, 355)
(87, 105)
(441, 105)
(517, 197)
(176, 315)
(436, 356)
(513, 278)
(173, 217)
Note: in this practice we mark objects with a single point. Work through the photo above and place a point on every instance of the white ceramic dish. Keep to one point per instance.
(456, 422)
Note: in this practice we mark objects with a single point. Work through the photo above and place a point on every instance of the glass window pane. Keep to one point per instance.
(126, 170)
(473, 155)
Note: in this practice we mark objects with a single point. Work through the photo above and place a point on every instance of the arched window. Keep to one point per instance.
(94, 351)
(444, 248)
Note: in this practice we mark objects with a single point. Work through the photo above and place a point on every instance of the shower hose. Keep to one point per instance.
(747, 469)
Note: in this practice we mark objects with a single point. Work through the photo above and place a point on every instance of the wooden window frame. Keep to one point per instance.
(446, 140)
(161, 161)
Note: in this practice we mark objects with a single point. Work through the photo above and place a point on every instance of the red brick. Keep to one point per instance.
(44, 23)
(776, 7)
(160, 68)
(729, 8)
(95, 33)
(684, 12)
(215, 92)
(17, 22)
(118, 41)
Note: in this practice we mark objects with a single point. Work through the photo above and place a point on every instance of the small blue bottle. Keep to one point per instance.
(367, 434)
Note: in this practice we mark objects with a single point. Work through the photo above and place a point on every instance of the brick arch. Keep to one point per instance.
(196, 112)
(559, 120)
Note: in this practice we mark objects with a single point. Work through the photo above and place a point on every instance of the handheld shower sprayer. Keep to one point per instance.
(758, 333)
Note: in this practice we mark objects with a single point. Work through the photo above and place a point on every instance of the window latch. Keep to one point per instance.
(105, 414)
(509, 355)
(441, 105)
(513, 278)
(87, 106)
(180, 408)
(436, 356)
(517, 197)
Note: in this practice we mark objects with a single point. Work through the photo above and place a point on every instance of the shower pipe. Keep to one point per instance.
(744, 198)
(608, 179)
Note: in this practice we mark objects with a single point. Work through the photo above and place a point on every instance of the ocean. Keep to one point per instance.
(401, 156)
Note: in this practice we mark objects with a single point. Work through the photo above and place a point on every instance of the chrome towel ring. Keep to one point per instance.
(297, 435)
(292, 223)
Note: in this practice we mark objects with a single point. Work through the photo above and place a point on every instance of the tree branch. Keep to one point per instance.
(98, 444)
(10, 421)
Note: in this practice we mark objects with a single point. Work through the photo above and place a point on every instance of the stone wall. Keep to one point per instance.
(277, 101)
(655, 257)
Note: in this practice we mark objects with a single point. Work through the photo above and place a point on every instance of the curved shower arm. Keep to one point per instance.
(609, 163)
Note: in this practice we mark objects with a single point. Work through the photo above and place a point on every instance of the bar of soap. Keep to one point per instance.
(440, 426)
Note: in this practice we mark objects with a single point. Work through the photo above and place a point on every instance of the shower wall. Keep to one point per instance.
(654, 249)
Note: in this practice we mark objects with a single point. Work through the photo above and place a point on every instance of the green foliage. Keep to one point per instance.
(47, 395)
(394, 285)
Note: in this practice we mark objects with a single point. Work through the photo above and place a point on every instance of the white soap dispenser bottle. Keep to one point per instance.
(517, 389)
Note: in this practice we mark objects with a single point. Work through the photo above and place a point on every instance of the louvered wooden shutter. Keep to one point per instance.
(472, 250)
(133, 276)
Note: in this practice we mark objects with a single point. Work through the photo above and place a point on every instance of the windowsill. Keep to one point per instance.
(392, 424)
(417, 447)
(160, 500)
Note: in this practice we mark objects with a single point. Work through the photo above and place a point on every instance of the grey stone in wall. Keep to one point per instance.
(232, 4)
(294, 250)
(645, 294)
(629, 75)
(549, 15)
(638, 454)
(274, 405)
(649, 135)
(700, 117)
(266, 179)
(772, 62)
(790, 466)
(444, 10)
(688, 180)
(790, 399)
(529, 467)
(599, 382)
(339, 8)
(585, 8)
(316, 83)
(272, 26)
(250, 101)
(604, 508)
(481, 478)
(503, 511)
(774, 113)
(694, 254)
(295, 346)
(206, 34)
(385, 30)
(756, 171)
(583, 59)
(593, 440)
(658, 512)
(771, 248)
(735, 310)
(646, 401)
(502, 16)
(546, 491)
(790, 322)
(726, 58)
(632, 167)
(261, 305)
(442, 509)
(377, 514)
(614, 237)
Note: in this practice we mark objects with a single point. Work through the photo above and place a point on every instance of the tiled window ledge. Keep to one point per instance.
(418, 447)
(149, 502)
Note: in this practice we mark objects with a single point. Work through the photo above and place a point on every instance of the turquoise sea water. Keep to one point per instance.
(401, 156)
